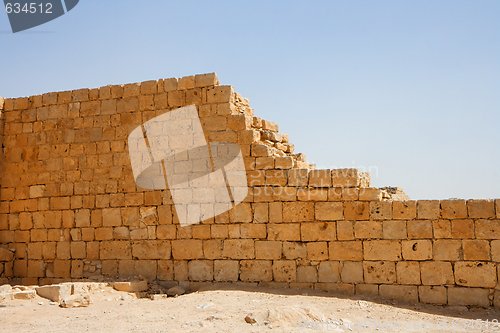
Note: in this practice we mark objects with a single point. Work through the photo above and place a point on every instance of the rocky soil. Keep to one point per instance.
(101, 308)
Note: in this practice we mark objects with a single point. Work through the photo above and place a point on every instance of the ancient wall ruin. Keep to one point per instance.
(70, 208)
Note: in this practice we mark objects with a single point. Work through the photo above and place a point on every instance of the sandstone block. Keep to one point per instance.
(442, 228)
(417, 250)
(468, 296)
(408, 294)
(151, 249)
(131, 286)
(428, 209)
(404, 210)
(419, 229)
(284, 232)
(394, 229)
(256, 270)
(488, 229)
(298, 211)
(318, 231)
(345, 230)
(495, 250)
(6, 254)
(368, 229)
(432, 294)
(476, 249)
(239, 249)
(294, 250)
(436, 273)
(307, 274)
(482, 209)
(329, 271)
(408, 272)
(475, 274)
(187, 249)
(381, 210)
(382, 250)
(351, 272)
(241, 213)
(379, 271)
(320, 178)
(226, 270)
(298, 177)
(348, 250)
(268, 250)
(284, 271)
(370, 194)
(357, 210)
(317, 251)
(447, 249)
(346, 178)
(366, 289)
(329, 211)
(200, 270)
(453, 209)
(462, 228)
(55, 292)
(312, 194)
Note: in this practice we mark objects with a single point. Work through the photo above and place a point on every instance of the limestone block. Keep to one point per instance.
(284, 232)
(407, 294)
(482, 209)
(436, 273)
(219, 94)
(468, 296)
(394, 229)
(284, 163)
(475, 274)
(170, 84)
(320, 178)
(318, 231)
(284, 271)
(404, 210)
(367, 289)
(335, 194)
(268, 249)
(346, 250)
(462, 228)
(24, 294)
(276, 177)
(329, 211)
(226, 270)
(379, 271)
(239, 249)
(442, 228)
(368, 229)
(256, 270)
(495, 250)
(55, 292)
(329, 271)
(417, 249)
(428, 209)
(487, 229)
(432, 294)
(317, 251)
(357, 210)
(345, 230)
(312, 194)
(294, 250)
(241, 213)
(201, 270)
(370, 194)
(131, 286)
(453, 209)
(6, 254)
(346, 178)
(307, 274)
(115, 250)
(298, 211)
(351, 272)
(476, 249)
(447, 249)
(151, 249)
(381, 210)
(419, 229)
(253, 231)
(350, 194)
(408, 272)
(212, 249)
(298, 177)
(382, 250)
(187, 249)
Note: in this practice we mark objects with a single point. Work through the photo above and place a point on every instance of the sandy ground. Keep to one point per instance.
(225, 311)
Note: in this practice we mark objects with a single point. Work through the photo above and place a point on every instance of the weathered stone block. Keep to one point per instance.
(307, 274)
(151, 249)
(284, 232)
(487, 229)
(408, 294)
(382, 250)
(357, 210)
(239, 249)
(476, 249)
(115, 250)
(482, 209)
(419, 229)
(226, 270)
(318, 231)
(417, 250)
(320, 178)
(317, 251)
(432, 294)
(404, 210)
(284, 271)
(462, 228)
(268, 250)
(256, 270)
(329, 271)
(468, 296)
(348, 250)
(351, 272)
(298, 211)
(447, 249)
(394, 229)
(381, 210)
(294, 250)
(187, 249)
(379, 271)
(408, 272)
(428, 209)
(436, 273)
(368, 229)
(476, 274)
(329, 211)
(453, 209)
(201, 270)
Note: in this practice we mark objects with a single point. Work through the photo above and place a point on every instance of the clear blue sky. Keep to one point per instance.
(409, 89)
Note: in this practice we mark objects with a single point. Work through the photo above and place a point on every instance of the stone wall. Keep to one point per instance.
(70, 208)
